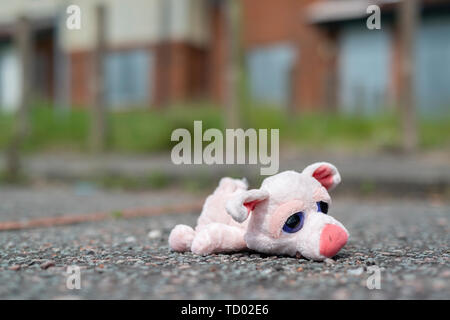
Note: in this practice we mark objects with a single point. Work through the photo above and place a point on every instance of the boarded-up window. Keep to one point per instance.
(10, 79)
(363, 68)
(128, 78)
(269, 70)
(433, 65)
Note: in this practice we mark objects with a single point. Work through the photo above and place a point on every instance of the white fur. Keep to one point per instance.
(309, 170)
(278, 197)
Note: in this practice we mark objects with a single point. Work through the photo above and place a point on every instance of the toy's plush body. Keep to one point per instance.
(288, 215)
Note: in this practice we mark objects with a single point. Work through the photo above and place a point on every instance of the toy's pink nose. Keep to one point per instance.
(332, 239)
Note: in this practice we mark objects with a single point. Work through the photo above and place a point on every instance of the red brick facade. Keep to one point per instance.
(81, 64)
(180, 72)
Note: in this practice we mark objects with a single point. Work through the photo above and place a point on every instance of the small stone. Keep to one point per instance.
(130, 239)
(355, 272)
(278, 268)
(15, 267)
(154, 234)
(47, 264)
(299, 269)
(149, 264)
(329, 261)
(266, 272)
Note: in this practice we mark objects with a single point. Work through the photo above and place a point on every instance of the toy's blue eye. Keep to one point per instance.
(294, 223)
(322, 207)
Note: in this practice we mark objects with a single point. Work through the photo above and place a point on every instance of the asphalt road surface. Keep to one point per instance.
(407, 240)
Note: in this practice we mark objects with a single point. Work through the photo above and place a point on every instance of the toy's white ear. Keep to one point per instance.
(241, 204)
(325, 173)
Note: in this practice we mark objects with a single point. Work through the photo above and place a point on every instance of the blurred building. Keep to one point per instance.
(157, 51)
(312, 54)
(297, 53)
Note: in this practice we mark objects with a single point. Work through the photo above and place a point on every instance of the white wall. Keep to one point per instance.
(11, 9)
(134, 22)
(130, 21)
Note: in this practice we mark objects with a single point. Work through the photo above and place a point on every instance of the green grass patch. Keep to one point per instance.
(435, 133)
(158, 180)
(149, 130)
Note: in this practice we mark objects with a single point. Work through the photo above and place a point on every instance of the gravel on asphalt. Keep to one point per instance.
(129, 259)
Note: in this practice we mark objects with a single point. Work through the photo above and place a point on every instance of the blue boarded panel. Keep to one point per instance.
(269, 70)
(128, 79)
(432, 81)
(10, 79)
(363, 68)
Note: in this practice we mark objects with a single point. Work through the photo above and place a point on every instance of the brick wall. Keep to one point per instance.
(81, 63)
(180, 72)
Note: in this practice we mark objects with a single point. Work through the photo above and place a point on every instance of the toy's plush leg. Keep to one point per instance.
(218, 237)
(181, 237)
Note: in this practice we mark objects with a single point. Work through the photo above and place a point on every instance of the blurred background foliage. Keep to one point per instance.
(141, 130)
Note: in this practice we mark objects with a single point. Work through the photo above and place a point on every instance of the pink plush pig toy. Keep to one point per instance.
(288, 216)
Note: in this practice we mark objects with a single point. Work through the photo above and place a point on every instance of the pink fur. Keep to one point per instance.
(278, 218)
(223, 225)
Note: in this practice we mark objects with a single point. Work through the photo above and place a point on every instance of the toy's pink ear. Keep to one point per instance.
(240, 205)
(325, 173)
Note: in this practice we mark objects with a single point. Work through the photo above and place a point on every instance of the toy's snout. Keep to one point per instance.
(332, 239)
